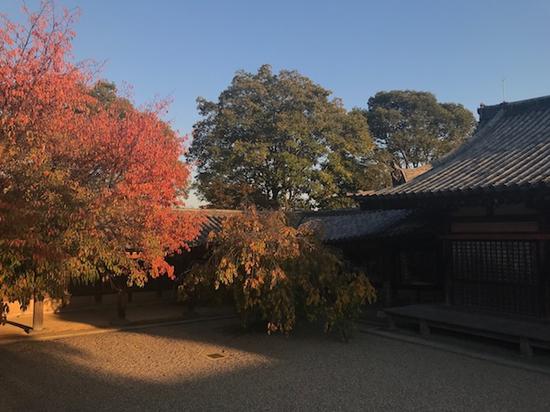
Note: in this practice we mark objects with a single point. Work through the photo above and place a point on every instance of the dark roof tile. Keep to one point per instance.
(347, 224)
(212, 221)
(510, 150)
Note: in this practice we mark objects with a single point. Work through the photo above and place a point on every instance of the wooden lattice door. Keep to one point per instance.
(499, 275)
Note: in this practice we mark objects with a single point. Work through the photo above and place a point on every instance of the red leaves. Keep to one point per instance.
(82, 181)
(160, 267)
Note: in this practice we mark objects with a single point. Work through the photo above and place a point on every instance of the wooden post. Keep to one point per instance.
(98, 295)
(544, 279)
(389, 265)
(387, 293)
(424, 328)
(122, 301)
(38, 314)
(525, 347)
(391, 323)
(447, 269)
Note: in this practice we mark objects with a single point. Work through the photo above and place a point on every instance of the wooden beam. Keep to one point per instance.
(497, 236)
(495, 227)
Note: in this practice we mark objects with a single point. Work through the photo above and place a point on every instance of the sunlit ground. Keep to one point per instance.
(168, 368)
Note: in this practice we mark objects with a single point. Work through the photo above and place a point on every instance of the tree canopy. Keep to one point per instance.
(277, 271)
(279, 141)
(88, 183)
(415, 128)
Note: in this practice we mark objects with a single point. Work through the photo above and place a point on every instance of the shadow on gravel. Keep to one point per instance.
(168, 368)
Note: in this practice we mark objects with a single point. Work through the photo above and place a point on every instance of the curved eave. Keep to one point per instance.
(536, 193)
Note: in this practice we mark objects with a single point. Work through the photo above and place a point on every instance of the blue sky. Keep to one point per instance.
(459, 50)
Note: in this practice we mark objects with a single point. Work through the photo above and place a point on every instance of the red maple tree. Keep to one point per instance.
(88, 189)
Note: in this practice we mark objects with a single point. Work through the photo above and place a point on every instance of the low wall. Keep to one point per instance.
(50, 306)
(80, 302)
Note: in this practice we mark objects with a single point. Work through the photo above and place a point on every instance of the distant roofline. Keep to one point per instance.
(520, 102)
(486, 112)
(210, 211)
(330, 212)
(481, 168)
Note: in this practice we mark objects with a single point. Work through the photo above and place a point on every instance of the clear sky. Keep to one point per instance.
(459, 50)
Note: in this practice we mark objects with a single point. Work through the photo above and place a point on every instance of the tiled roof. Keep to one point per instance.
(347, 224)
(509, 151)
(333, 225)
(213, 219)
(413, 173)
(405, 175)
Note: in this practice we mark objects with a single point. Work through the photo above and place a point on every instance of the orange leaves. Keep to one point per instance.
(82, 180)
(277, 271)
(160, 267)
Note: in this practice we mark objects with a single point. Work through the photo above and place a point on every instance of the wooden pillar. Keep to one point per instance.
(525, 347)
(424, 328)
(391, 323)
(446, 266)
(544, 279)
(122, 302)
(38, 314)
(387, 291)
(388, 268)
(98, 293)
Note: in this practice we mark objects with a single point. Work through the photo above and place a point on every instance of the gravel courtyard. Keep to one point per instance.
(167, 368)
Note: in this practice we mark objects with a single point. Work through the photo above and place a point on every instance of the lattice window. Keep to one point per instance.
(503, 261)
(500, 275)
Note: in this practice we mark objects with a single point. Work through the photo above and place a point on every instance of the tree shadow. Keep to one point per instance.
(168, 368)
(99, 372)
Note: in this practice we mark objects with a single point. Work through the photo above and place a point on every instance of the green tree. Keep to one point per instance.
(279, 141)
(106, 94)
(415, 128)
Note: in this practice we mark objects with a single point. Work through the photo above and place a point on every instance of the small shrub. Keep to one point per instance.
(276, 271)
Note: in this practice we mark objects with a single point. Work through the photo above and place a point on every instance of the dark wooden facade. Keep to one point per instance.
(487, 206)
(496, 259)
(489, 257)
(397, 249)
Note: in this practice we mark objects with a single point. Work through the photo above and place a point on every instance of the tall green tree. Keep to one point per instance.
(415, 128)
(279, 141)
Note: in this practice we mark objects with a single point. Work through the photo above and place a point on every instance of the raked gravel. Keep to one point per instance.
(167, 368)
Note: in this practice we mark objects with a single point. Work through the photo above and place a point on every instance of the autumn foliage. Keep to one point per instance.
(278, 272)
(88, 187)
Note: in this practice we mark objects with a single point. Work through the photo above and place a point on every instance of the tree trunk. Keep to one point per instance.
(66, 299)
(38, 314)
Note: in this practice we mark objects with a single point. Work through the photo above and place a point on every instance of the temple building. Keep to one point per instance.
(474, 229)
